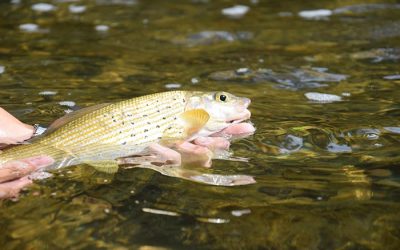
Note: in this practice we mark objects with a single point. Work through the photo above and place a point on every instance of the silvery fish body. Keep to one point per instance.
(115, 130)
(109, 131)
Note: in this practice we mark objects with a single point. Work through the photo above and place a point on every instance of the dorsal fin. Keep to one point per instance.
(74, 115)
(69, 117)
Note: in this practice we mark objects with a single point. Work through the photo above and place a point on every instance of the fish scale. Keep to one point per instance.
(119, 128)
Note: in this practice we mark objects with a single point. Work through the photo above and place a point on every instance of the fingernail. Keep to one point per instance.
(40, 161)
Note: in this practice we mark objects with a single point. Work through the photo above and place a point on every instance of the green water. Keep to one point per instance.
(327, 172)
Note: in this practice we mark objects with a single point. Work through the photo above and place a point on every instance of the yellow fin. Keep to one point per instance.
(195, 120)
(191, 122)
(109, 166)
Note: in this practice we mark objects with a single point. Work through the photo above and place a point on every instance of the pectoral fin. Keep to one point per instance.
(109, 166)
(189, 123)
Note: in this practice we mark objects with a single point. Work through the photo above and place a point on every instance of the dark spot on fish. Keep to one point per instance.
(120, 132)
(144, 115)
(164, 117)
(130, 115)
(112, 116)
(169, 128)
(105, 115)
(158, 126)
(148, 123)
(123, 143)
(183, 100)
(158, 111)
(123, 123)
(175, 118)
(168, 107)
(114, 120)
(159, 137)
(146, 130)
(145, 136)
(174, 99)
(132, 135)
(132, 123)
(147, 104)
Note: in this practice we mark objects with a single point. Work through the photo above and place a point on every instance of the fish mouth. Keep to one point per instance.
(243, 116)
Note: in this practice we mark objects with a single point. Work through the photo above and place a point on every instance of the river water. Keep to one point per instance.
(324, 81)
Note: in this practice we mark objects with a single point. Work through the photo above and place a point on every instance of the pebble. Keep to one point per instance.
(173, 85)
(67, 103)
(315, 14)
(195, 80)
(77, 9)
(392, 77)
(29, 27)
(242, 71)
(102, 28)
(2, 69)
(48, 92)
(43, 7)
(239, 213)
(395, 130)
(236, 11)
(323, 98)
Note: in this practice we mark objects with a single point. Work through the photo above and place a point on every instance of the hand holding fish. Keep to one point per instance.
(101, 135)
(14, 174)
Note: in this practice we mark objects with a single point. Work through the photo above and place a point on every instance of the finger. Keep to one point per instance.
(12, 188)
(237, 129)
(16, 169)
(195, 154)
(212, 143)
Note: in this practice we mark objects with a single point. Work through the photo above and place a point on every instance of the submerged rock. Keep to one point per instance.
(290, 79)
(378, 55)
(363, 8)
(236, 11)
(215, 36)
(322, 97)
(315, 14)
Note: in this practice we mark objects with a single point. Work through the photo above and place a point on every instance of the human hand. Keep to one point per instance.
(14, 174)
(12, 130)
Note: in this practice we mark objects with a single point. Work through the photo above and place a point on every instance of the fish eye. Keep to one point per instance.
(221, 97)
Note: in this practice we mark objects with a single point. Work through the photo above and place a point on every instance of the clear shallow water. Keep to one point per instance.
(327, 172)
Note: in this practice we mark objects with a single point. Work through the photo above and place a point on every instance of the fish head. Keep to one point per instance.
(223, 109)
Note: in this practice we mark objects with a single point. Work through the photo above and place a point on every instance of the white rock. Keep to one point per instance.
(239, 213)
(392, 77)
(195, 80)
(43, 7)
(29, 27)
(102, 28)
(315, 14)
(346, 94)
(76, 9)
(235, 11)
(2, 69)
(173, 85)
(323, 98)
(67, 103)
(395, 130)
(48, 92)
